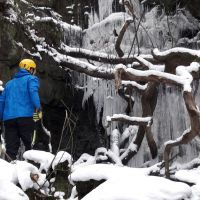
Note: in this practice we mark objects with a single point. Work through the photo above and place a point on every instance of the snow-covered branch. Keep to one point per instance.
(81, 66)
(149, 65)
(184, 53)
(134, 84)
(129, 120)
(103, 57)
(183, 77)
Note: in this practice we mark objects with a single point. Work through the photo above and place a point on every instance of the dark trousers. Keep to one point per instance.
(16, 129)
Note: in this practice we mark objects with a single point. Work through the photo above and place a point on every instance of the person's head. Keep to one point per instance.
(29, 65)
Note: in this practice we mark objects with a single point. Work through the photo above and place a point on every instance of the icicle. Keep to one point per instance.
(114, 141)
(105, 8)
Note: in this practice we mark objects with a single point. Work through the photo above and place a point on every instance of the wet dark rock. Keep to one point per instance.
(84, 187)
(57, 92)
(117, 7)
(171, 6)
(35, 195)
(76, 12)
(45, 3)
(61, 183)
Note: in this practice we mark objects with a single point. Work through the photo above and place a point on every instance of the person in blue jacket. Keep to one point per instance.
(18, 102)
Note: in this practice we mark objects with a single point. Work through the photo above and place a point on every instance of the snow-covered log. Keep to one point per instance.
(129, 120)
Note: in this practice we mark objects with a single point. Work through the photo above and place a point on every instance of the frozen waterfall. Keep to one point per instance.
(170, 116)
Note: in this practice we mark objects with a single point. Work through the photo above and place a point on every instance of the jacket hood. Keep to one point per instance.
(21, 72)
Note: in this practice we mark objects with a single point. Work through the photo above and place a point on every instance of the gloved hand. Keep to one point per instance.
(37, 116)
(40, 114)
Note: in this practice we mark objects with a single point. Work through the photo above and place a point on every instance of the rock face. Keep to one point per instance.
(194, 8)
(21, 24)
(46, 3)
(170, 5)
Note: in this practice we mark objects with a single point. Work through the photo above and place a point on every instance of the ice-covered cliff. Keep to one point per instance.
(29, 27)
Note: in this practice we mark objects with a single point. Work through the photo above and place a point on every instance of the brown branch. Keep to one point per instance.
(149, 100)
(120, 37)
(126, 93)
(189, 134)
(129, 5)
(124, 28)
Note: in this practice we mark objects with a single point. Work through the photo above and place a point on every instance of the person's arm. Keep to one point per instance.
(34, 92)
(2, 104)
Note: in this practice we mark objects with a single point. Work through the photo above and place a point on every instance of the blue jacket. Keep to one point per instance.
(20, 97)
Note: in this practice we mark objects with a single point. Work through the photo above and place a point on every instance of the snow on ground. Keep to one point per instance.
(121, 182)
(61, 157)
(41, 157)
(46, 159)
(135, 184)
(140, 188)
(9, 191)
(191, 176)
(18, 172)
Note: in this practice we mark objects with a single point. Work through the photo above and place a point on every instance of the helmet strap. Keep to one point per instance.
(32, 71)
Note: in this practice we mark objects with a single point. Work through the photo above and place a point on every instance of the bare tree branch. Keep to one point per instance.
(149, 100)
(97, 56)
(120, 37)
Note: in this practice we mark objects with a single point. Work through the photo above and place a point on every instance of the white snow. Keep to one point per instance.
(182, 77)
(1, 87)
(41, 157)
(128, 132)
(61, 157)
(19, 172)
(128, 118)
(85, 159)
(190, 176)
(134, 84)
(120, 182)
(46, 159)
(105, 171)
(150, 65)
(129, 184)
(143, 188)
(9, 191)
(177, 50)
(59, 195)
(114, 141)
(62, 24)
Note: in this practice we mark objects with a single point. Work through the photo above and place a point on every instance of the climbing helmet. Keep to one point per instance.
(27, 64)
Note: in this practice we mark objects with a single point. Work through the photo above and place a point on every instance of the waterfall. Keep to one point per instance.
(105, 9)
(170, 117)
